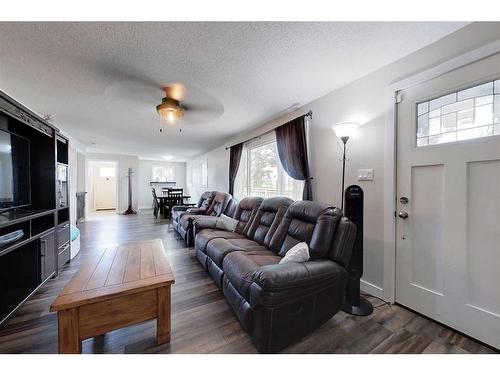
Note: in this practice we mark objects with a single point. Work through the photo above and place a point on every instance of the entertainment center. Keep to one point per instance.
(34, 203)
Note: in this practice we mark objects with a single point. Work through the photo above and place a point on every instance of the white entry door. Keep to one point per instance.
(105, 188)
(448, 186)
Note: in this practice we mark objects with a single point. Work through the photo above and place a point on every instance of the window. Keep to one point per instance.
(163, 174)
(261, 175)
(467, 114)
(107, 172)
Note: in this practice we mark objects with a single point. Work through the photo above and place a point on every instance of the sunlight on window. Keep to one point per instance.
(162, 174)
(107, 172)
(261, 175)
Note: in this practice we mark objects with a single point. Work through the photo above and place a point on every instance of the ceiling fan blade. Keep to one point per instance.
(175, 91)
(200, 108)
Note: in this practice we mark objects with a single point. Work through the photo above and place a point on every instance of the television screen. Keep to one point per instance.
(14, 171)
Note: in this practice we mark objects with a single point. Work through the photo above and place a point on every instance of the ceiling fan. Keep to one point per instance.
(182, 104)
(171, 110)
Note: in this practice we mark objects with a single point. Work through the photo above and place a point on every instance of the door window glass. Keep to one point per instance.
(466, 114)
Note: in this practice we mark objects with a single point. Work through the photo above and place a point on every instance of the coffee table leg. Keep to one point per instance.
(163, 320)
(69, 340)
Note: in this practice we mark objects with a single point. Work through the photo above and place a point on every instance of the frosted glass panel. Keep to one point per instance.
(483, 115)
(472, 133)
(462, 115)
(442, 138)
(423, 126)
(442, 101)
(496, 109)
(449, 122)
(435, 126)
(424, 141)
(422, 108)
(459, 106)
(465, 119)
(474, 92)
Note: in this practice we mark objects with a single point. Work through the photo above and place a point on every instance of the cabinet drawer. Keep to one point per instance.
(63, 256)
(62, 234)
(47, 255)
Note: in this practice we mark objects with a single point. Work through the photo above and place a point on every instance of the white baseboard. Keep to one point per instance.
(372, 289)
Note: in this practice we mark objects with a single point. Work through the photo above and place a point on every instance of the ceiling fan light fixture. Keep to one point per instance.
(170, 110)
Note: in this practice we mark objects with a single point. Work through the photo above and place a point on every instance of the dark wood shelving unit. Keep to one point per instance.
(44, 247)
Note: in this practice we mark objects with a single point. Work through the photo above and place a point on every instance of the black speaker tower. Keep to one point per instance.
(354, 303)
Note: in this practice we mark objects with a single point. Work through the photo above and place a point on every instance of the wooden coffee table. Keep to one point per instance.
(121, 286)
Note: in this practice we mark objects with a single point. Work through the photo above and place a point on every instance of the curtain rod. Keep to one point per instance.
(308, 114)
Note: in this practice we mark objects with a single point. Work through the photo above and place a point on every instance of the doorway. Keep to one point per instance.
(448, 200)
(103, 185)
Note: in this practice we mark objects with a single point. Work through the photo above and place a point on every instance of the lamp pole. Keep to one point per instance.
(344, 141)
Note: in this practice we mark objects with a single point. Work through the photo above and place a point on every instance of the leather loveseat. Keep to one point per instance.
(279, 303)
(211, 203)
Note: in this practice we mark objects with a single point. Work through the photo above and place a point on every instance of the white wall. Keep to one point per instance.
(218, 173)
(145, 177)
(75, 174)
(363, 101)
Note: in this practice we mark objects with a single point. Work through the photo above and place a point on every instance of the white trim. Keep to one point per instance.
(390, 136)
(372, 289)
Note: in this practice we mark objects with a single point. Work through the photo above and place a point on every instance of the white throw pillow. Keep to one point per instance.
(298, 254)
(226, 223)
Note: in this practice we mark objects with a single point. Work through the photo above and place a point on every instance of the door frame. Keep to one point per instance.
(89, 183)
(390, 160)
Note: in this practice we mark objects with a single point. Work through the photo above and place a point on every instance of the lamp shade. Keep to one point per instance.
(345, 129)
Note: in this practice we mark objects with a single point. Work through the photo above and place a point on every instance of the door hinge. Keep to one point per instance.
(398, 98)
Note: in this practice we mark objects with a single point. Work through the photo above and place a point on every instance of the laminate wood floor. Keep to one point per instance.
(202, 321)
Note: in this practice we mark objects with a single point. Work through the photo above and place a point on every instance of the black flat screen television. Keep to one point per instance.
(14, 171)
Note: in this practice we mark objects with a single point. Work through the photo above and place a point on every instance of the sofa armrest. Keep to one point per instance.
(180, 208)
(197, 211)
(276, 284)
(204, 222)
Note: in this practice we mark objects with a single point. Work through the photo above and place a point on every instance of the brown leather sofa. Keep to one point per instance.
(211, 203)
(280, 303)
(205, 232)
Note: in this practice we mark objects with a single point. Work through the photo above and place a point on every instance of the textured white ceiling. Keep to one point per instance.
(102, 80)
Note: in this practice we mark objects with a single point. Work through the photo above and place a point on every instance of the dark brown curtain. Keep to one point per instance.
(292, 150)
(234, 164)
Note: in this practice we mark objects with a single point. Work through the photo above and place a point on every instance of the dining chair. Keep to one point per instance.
(156, 204)
(174, 198)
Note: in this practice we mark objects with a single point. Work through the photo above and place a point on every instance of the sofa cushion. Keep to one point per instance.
(305, 221)
(245, 212)
(219, 203)
(218, 248)
(240, 266)
(204, 236)
(206, 200)
(297, 254)
(226, 223)
(267, 219)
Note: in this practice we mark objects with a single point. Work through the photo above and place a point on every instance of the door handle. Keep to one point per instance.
(43, 249)
(403, 214)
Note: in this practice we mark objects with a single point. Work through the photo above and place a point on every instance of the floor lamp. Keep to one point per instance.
(354, 303)
(344, 131)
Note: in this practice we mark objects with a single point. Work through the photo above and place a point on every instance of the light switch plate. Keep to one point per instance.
(365, 174)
